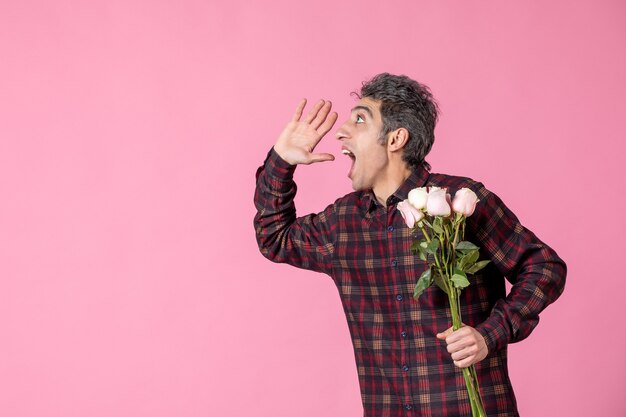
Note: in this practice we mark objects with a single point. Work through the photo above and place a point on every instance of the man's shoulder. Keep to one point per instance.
(351, 202)
(354, 198)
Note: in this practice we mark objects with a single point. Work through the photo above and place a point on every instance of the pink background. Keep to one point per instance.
(130, 131)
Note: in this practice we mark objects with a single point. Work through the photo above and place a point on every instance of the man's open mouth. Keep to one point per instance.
(347, 152)
(351, 155)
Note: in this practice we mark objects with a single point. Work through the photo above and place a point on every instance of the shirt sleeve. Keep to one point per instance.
(536, 272)
(305, 242)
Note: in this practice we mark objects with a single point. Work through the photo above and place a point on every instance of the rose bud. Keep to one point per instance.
(418, 197)
(464, 202)
(410, 214)
(437, 204)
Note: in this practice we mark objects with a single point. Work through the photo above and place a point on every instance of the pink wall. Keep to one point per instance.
(130, 131)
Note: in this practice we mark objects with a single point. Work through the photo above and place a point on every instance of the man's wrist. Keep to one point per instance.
(494, 333)
(277, 167)
(282, 155)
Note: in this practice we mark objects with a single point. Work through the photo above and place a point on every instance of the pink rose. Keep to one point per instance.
(464, 202)
(418, 197)
(437, 204)
(410, 214)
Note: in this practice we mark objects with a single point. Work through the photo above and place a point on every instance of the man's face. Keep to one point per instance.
(360, 141)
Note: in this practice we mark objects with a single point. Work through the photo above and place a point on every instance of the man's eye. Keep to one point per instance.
(359, 119)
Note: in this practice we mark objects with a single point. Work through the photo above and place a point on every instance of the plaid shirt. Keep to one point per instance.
(404, 370)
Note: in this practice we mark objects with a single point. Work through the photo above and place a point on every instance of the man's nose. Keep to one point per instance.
(342, 133)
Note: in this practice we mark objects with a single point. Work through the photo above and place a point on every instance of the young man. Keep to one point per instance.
(408, 359)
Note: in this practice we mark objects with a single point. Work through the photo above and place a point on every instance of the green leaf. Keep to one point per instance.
(460, 279)
(422, 283)
(422, 255)
(439, 280)
(460, 259)
(415, 246)
(470, 259)
(477, 266)
(465, 246)
(466, 260)
(433, 246)
(437, 225)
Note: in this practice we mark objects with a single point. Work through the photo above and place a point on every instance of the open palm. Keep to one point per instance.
(300, 137)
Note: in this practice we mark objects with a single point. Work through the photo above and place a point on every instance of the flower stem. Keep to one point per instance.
(469, 374)
(446, 268)
(435, 255)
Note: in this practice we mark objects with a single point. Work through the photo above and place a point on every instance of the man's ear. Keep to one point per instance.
(397, 139)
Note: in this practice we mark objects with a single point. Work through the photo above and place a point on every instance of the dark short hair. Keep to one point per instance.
(405, 103)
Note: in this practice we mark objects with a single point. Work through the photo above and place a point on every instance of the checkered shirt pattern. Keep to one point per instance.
(403, 369)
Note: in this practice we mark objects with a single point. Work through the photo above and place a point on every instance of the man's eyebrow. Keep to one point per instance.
(366, 109)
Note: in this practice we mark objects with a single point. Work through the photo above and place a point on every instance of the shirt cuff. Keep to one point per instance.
(277, 167)
(494, 332)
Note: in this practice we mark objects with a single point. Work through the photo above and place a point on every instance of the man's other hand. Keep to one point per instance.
(466, 345)
(300, 137)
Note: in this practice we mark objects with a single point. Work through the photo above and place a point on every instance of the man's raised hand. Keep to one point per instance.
(300, 137)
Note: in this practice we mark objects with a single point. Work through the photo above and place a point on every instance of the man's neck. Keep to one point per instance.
(393, 180)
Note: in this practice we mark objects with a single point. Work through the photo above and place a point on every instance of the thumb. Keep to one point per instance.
(321, 157)
(443, 335)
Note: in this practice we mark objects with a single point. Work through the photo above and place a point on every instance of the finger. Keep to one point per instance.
(445, 334)
(460, 344)
(328, 124)
(321, 115)
(298, 114)
(321, 157)
(459, 334)
(463, 353)
(465, 362)
(323, 130)
(455, 347)
(311, 115)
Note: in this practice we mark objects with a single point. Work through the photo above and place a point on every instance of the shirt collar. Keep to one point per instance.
(418, 178)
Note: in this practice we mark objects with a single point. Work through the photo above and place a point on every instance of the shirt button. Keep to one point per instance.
(394, 262)
(390, 228)
(408, 406)
(405, 368)
(399, 297)
(404, 333)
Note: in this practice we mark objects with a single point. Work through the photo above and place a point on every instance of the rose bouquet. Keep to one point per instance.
(451, 259)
